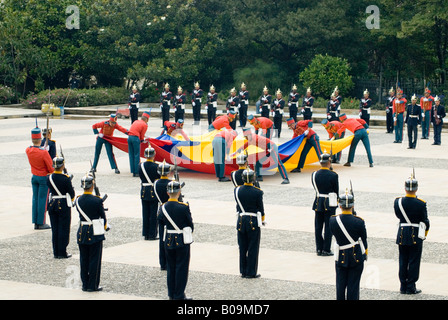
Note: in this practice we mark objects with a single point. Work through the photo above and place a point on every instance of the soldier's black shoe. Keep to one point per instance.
(95, 290)
(223, 179)
(117, 171)
(415, 291)
(319, 252)
(253, 277)
(41, 226)
(93, 170)
(296, 170)
(371, 165)
(68, 255)
(326, 253)
(347, 164)
(260, 178)
(285, 181)
(135, 175)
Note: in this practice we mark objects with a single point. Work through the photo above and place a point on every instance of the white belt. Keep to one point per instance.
(248, 214)
(410, 225)
(412, 116)
(58, 197)
(308, 107)
(174, 231)
(350, 245)
(322, 195)
(146, 184)
(197, 98)
(85, 223)
(367, 108)
(266, 105)
(245, 101)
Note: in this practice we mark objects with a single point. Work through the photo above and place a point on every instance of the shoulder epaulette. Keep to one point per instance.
(421, 200)
(358, 217)
(185, 204)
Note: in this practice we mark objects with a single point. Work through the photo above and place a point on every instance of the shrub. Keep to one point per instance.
(7, 95)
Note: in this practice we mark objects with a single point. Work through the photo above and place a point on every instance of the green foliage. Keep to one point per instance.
(325, 73)
(7, 95)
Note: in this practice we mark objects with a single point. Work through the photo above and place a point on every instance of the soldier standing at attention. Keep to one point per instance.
(293, 103)
(399, 106)
(160, 188)
(437, 115)
(41, 166)
(277, 107)
(196, 102)
(351, 251)
(62, 196)
(176, 217)
(426, 104)
(251, 216)
(134, 103)
(364, 107)
(333, 108)
(47, 143)
(265, 103)
(244, 104)
(212, 104)
(390, 111)
(326, 184)
(179, 104)
(136, 135)
(413, 119)
(165, 102)
(307, 105)
(413, 229)
(107, 129)
(232, 105)
(148, 175)
(90, 242)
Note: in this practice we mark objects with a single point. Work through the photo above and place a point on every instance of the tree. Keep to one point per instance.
(325, 73)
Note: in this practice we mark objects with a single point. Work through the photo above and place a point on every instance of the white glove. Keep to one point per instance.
(101, 135)
(193, 103)
(206, 107)
(306, 132)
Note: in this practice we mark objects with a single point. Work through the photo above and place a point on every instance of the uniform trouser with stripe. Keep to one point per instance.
(162, 250)
(293, 109)
(133, 113)
(249, 245)
(40, 197)
(178, 262)
(360, 134)
(197, 111)
(211, 114)
(389, 121)
(60, 219)
(109, 150)
(337, 156)
(399, 128)
(278, 123)
(165, 113)
(347, 282)
(219, 156)
(149, 218)
(243, 114)
(425, 124)
(134, 153)
(412, 135)
(322, 223)
(409, 265)
(179, 114)
(90, 256)
(311, 142)
(437, 133)
(278, 162)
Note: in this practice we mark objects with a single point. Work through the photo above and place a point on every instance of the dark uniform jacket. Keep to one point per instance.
(51, 147)
(251, 199)
(147, 191)
(232, 103)
(181, 215)
(211, 97)
(325, 181)
(413, 114)
(440, 113)
(415, 209)
(277, 107)
(160, 189)
(237, 178)
(93, 208)
(64, 185)
(356, 228)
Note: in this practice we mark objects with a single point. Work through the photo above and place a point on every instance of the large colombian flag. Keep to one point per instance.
(197, 154)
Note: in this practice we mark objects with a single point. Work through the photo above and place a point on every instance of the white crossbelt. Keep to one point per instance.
(244, 213)
(349, 238)
(145, 184)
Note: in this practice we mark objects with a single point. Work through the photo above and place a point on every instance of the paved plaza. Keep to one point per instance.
(288, 264)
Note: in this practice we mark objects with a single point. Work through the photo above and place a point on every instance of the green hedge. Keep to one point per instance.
(78, 97)
(7, 95)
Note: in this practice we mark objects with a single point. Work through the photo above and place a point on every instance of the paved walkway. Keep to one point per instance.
(288, 265)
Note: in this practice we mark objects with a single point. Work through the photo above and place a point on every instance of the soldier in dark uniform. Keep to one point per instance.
(307, 105)
(277, 107)
(333, 109)
(62, 195)
(212, 104)
(237, 175)
(364, 107)
(165, 102)
(90, 243)
(413, 229)
(265, 103)
(160, 186)
(134, 103)
(437, 115)
(293, 102)
(50, 146)
(326, 184)
(179, 104)
(244, 104)
(251, 216)
(413, 119)
(390, 111)
(232, 105)
(176, 219)
(351, 251)
(148, 175)
(196, 102)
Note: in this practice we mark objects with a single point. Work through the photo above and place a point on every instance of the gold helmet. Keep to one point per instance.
(134, 87)
(366, 91)
(196, 85)
(278, 91)
(414, 97)
(233, 90)
(308, 90)
(243, 85)
(167, 85)
(437, 98)
(391, 90)
(265, 89)
(212, 87)
(294, 87)
(179, 89)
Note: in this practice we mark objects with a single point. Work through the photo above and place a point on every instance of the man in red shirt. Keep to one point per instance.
(41, 166)
(136, 135)
(107, 129)
(359, 128)
(173, 128)
(271, 150)
(332, 128)
(426, 104)
(312, 139)
(265, 124)
(398, 108)
(223, 121)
